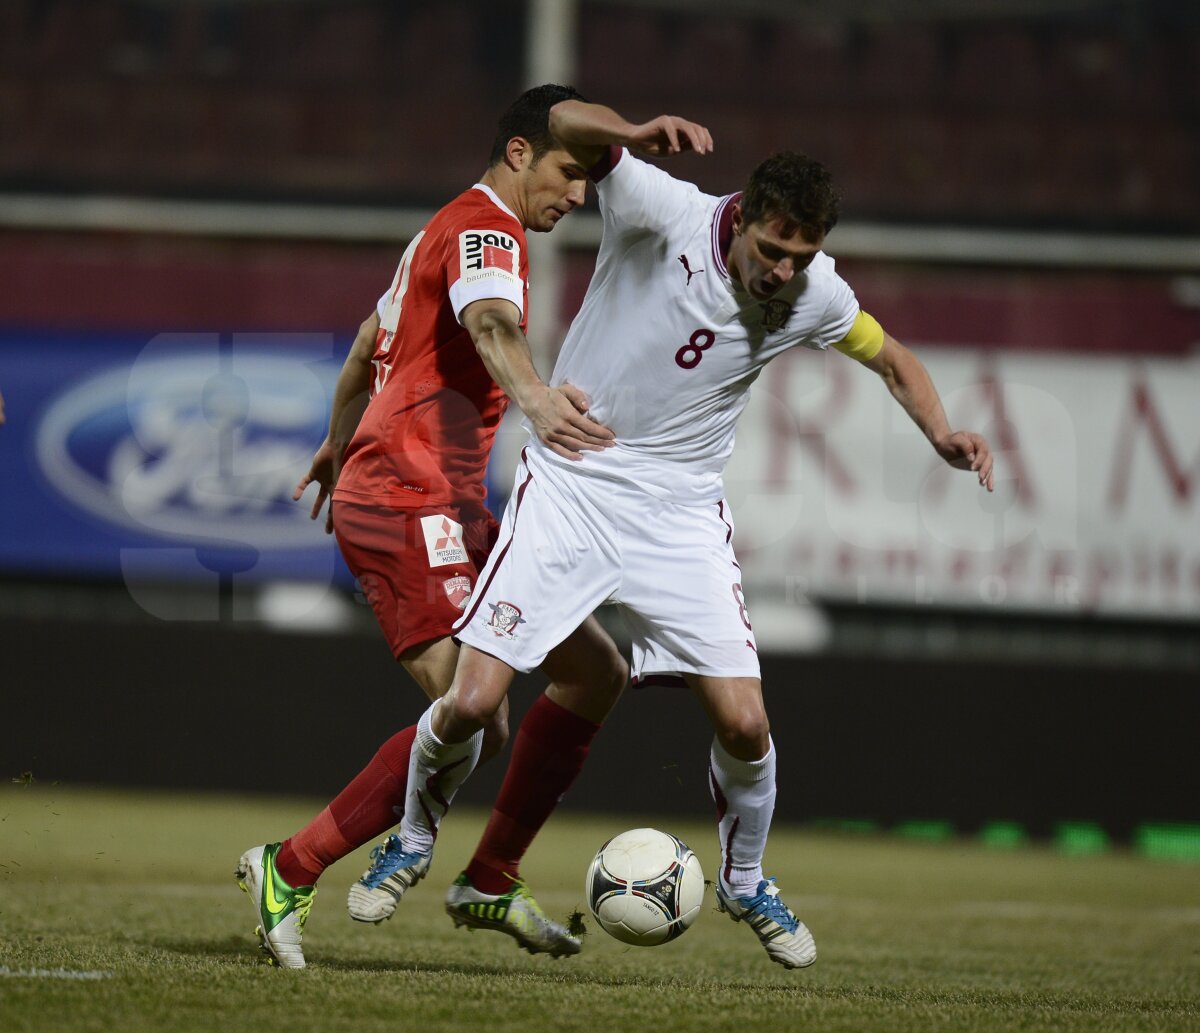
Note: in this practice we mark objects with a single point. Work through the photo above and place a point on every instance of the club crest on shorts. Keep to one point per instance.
(458, 590)
(443, 540)
(504, 620)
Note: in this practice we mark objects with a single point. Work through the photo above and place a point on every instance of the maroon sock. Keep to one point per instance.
(548, 753)
(361, 812)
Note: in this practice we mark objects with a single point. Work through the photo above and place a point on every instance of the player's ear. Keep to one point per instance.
(518, 153)
(738, 217)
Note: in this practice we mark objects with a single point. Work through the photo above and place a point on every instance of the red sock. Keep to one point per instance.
(548, 753)
(361, 812)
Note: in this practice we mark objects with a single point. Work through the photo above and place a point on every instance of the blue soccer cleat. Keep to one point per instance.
(393, 870)
(786, 938)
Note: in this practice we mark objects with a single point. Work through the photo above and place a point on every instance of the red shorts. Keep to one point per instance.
(416, 567)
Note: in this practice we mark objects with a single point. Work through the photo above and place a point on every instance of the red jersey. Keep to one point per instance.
(427, 431)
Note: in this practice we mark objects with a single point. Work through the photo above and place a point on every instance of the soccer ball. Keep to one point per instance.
(645, 887)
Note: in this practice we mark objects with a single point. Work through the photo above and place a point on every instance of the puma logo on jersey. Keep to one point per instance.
(683, 260)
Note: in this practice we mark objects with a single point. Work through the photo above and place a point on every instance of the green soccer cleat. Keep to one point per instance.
(786, 938)
(514, 913)
(282, 909)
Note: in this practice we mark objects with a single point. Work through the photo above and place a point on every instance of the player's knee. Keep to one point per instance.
(614, 677)
(472, 710)
(603, 686)
(495, 735)
(745, 734)
(591, 685)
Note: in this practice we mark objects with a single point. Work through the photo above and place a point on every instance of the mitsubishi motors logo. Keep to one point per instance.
(450, 539)
(443, 540)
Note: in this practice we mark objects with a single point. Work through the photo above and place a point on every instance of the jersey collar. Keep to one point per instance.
(495, 200)
(722, 230)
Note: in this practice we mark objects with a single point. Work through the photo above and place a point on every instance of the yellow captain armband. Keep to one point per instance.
(864, 339)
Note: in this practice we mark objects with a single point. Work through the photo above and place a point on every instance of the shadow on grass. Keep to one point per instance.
(230, 948)
(564, 971)
(571, 972)
(561, 971)
(1015, 1001)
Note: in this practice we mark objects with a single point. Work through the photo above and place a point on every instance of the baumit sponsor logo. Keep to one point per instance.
(196, 439)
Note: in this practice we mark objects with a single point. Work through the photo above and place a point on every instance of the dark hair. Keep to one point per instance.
(797, 189)
(529, 117)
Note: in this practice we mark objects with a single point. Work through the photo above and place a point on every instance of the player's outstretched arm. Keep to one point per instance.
(910, 384)
(350, 398)
(585, 129)
(558, 414)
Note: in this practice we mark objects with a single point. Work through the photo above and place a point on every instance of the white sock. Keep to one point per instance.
(435, 771)
(744, 792)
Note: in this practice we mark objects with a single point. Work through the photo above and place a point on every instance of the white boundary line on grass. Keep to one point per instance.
(51, 973)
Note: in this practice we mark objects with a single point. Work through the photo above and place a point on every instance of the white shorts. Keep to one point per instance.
(571, 542)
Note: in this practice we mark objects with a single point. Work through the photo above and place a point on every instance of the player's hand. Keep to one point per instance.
(560, 420)
(966, 451)
(667, 135)
(323, 472)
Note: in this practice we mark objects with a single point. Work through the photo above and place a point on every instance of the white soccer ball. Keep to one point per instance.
(645, 887)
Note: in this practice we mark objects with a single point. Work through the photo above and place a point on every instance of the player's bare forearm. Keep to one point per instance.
(909, 383)
(353, 389)
(505, 352)
(350, 396)
(585, 129)
(558, 414)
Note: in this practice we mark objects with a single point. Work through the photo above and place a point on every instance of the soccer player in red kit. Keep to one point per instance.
(440, 358)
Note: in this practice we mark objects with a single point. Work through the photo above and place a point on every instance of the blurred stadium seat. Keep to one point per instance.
(997, 69)
(1095, 118)
(900, 66)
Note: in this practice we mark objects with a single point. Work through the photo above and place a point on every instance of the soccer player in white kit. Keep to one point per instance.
(691, 297)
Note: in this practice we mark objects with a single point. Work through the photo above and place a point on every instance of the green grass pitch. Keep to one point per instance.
(118, 911)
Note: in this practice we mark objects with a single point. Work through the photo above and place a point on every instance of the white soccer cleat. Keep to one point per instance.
(282, 909)
(786, 938)
(375, 896)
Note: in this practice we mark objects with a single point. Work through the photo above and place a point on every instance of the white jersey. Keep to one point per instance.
(664, 346)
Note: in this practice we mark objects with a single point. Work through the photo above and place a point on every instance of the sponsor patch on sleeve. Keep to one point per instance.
(488, 255)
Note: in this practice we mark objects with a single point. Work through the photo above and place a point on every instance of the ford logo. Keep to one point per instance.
(198, 446)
